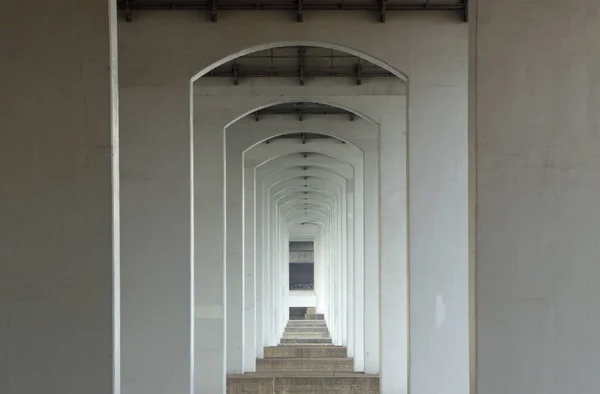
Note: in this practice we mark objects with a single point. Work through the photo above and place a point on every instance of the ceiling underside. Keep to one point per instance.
(379, 8)
(301, 63)
(302, 110)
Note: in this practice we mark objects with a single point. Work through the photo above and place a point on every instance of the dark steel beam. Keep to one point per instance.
(382, 11)
(299, 6)
(302, 112)
(357, 73)
(214, 11)
(301, 54)
(235, 71)
(304, 137)
(128, 16)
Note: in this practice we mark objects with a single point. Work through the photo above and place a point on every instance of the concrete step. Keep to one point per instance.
(306, 335)
(307, 323)
(280, 364)
(306, 329)
(314, 316)
(312, 351)
(286, 341)
(303, 383)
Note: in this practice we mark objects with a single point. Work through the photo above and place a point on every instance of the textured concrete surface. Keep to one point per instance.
(305, 365)
(316, 329)
(306, 323)
(306, 351)
(305, 384)
(285, 341)
(58, 251)
(537, 91)
(306, 334)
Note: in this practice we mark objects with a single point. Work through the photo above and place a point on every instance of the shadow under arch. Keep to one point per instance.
(297, 100)
(282, 44)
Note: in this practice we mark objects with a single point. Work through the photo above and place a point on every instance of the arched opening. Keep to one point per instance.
(298, 130)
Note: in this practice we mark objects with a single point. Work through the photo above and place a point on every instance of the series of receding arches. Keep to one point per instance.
(280, 175)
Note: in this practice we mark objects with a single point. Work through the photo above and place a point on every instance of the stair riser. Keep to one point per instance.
(306, 335)
(304, 340)
(305, 352)
(304, 385)
(305, 365)
(306, 329)
(317, 316)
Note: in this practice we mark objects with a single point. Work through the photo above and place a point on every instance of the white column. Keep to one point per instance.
(252, 274)
(394, 270)
(59, 281)
(357, 277)
(319, 272)
(234, 260)
(209, 224)
(260, 266)
(349, 234)
(369, 284)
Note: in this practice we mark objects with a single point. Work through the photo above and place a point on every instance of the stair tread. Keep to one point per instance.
(337, 374)
(307, 358)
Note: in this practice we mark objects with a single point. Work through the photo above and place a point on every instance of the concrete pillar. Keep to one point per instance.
(536, 138)
(367, 309)
(252, 273)
(349, 294)
(59, 241)
(234, 263)
(393, 257)
(156, 225)
(211, 332)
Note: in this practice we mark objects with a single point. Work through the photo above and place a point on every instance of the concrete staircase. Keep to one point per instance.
(309, 332)
(305, 362)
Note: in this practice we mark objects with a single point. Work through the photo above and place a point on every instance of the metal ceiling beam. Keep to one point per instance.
(301, 113)
(382, 7)
(303, 137)
(358, 73)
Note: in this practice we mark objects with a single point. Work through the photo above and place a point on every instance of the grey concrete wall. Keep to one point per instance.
(56, 257)
(538, 189)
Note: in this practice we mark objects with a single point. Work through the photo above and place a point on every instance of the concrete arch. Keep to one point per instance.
(319, 173)
(287, 147)
(321, 44)
(342, 169)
